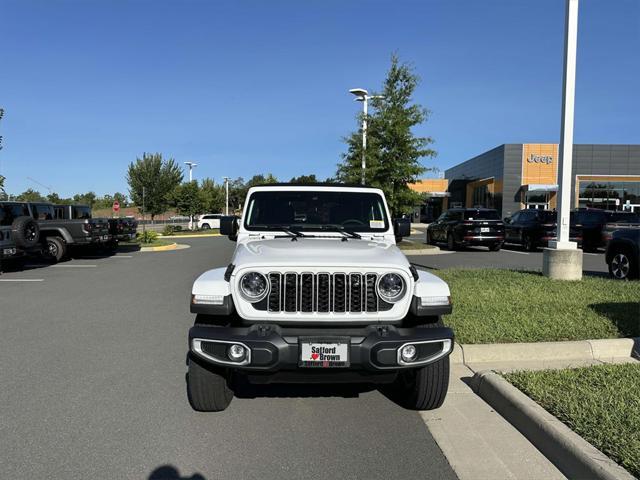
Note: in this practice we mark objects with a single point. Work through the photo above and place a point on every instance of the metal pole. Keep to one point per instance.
(190, 173)
(566, 133)
(364, 136)
(226, 183)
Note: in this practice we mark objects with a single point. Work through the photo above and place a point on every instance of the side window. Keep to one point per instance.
(442, 217)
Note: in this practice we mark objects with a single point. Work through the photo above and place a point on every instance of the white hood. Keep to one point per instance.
(319, 252)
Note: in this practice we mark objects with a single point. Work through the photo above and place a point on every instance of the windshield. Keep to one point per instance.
(481, 215)
(316, 210)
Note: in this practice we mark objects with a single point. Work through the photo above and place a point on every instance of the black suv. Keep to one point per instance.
(467, 226)
(592, 228)
(60, 234)
(623, 254)
(19, 233)
(530, 228)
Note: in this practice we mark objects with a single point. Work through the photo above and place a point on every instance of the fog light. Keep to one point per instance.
(408, 353)
(236, 352)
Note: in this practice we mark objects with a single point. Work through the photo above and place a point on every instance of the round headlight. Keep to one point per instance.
(254, 286)
(391, 287)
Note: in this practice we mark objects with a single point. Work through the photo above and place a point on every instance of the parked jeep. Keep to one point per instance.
(318, 292)
(623, 254)
(19, 233)
(120, 229)
(58, 235)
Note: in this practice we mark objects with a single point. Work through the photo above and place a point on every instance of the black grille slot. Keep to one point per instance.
(339, 292)
(290, 292)
(306, 292)
(371, 297)
(355, 292)
(323, 293)
(274, 294)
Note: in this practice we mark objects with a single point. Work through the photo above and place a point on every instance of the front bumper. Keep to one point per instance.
(372, 349)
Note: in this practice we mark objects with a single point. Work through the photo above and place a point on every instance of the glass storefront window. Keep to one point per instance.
(608, 195)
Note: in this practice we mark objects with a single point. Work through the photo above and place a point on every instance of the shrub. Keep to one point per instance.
(171, 229)
(148, 236)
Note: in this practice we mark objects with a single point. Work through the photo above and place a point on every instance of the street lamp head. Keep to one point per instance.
(191, 164)
(359, 92)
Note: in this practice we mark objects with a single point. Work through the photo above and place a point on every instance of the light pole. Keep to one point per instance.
(191, 165)
(226, 185)
(563, 260)
(363, 96)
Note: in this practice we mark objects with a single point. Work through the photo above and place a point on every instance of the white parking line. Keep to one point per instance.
(122, 256)
(74, 266)
(516, 251)
(21, 279)
(592, 254)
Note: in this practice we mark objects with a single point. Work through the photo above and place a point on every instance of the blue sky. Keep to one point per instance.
(244, 87)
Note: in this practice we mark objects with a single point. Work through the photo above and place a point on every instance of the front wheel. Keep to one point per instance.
(207, 388)
(423, 388)
(451, 243)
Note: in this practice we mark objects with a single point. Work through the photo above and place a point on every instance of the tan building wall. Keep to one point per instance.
(429, 185)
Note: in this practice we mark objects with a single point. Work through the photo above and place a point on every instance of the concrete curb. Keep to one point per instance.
(164, 248)
(204, 235)
(547, 351)
(570, 453)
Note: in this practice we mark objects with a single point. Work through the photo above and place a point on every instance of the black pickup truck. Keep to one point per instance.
(120, 229)
(59, 235)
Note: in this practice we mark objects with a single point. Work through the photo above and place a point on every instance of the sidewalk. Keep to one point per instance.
(477, 441)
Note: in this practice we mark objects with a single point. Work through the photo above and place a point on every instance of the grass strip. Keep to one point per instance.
(502, 306)
(600, 403)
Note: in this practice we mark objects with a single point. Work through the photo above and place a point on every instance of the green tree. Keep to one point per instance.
(121, 198)
(212, 196)
(156, 178)
(31, 195)
(186, 198)
(393, 151)
(305, 179)
(2, 179)
(88, 198)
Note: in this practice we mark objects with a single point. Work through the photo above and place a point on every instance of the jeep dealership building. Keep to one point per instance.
(512, 176)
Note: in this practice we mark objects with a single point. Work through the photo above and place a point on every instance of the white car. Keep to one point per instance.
(318, 291)
(209, 220)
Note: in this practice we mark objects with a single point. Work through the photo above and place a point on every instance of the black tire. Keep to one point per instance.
(207, 388)
(451, 243)
(206, 226)
(55, 249)
(25, 232)
(623, 265)
(528, 243)
(423, 388)
(495, 247)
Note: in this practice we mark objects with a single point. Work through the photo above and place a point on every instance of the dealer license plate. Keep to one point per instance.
(321, 354)
(9, 251)
(485, 229)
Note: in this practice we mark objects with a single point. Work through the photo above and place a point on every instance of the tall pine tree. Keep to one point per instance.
(393, 152)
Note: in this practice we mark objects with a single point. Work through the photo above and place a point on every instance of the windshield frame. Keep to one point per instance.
(320, 228)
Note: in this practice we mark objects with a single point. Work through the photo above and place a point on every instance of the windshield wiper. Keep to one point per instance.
(294, 234)
(340, 229)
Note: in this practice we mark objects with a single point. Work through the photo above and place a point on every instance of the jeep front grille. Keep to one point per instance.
(323, 293)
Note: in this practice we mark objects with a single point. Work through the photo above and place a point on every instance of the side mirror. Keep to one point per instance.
(401, 227)
(229, 227)
(507, 220)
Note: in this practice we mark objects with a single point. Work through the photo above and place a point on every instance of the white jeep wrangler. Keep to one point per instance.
(318, 292)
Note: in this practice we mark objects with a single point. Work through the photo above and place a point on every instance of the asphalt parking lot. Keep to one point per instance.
(93, 387)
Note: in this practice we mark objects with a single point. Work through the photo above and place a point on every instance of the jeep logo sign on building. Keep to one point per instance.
(533, 158)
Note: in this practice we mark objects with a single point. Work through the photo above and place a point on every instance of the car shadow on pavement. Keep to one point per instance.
(244, 389)
(624, 315)
(169, 472)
